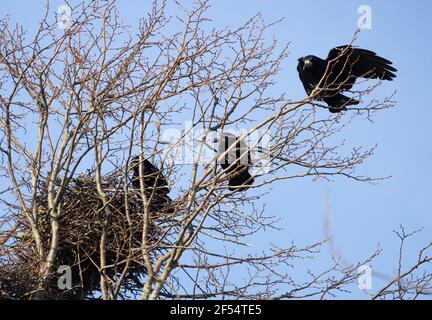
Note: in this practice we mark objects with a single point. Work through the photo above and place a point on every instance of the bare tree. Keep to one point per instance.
(79, 103)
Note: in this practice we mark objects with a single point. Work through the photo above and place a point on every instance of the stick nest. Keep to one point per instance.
(83, 223)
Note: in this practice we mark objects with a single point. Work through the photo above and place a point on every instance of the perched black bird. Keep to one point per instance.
(155, 184)
(235, 162)
(340, 71)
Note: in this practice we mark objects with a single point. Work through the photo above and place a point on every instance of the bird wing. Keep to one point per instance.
(242, 179)
(307, 85)
(149, 167)
(346, 64)
(152, 173)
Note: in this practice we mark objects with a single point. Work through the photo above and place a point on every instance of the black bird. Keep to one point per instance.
(155, 184)
(339, 72)
(235, 162)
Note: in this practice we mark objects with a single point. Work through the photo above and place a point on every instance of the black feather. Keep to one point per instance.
(235, 162)
(339, 72)
(155, 185)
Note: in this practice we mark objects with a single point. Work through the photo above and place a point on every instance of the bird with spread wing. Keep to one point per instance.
(326, 79)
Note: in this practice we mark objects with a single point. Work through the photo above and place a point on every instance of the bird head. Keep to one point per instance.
(133, 163)
(305, 62)
(300, 60)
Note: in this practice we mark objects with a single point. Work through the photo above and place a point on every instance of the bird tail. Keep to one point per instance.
(241, 181)
(339, 102)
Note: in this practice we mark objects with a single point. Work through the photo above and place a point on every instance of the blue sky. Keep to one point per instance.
(362, 216)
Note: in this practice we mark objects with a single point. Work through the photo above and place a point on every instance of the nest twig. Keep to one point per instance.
(80, 226)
